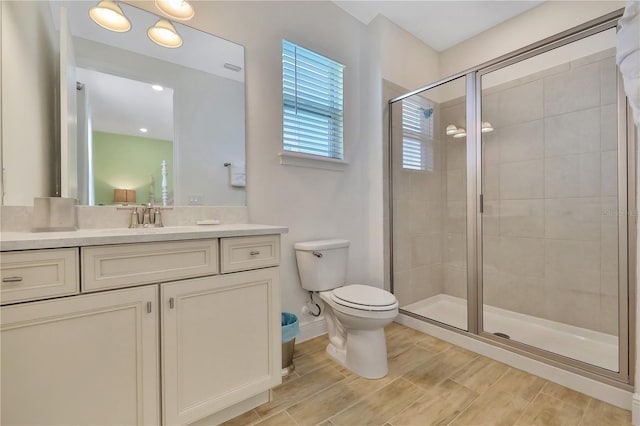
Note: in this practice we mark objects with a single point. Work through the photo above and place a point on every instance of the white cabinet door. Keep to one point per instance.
(220, 342)
(83, 360)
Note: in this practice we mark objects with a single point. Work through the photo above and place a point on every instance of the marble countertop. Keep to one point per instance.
(92, 237)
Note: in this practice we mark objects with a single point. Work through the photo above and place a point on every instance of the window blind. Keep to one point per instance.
(417, 135)
(312, 94)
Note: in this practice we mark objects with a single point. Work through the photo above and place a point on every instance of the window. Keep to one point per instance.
(312, 102)
(417, 134)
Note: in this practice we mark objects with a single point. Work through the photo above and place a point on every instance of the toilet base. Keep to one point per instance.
(365, 353)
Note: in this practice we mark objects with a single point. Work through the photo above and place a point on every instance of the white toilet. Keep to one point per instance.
(356, 314)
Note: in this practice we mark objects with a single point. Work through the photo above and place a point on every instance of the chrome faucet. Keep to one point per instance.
(149, 216)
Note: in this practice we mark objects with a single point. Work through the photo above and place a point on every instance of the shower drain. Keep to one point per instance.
(503, 335)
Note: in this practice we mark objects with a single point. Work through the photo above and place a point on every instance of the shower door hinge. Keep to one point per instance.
(481, 204)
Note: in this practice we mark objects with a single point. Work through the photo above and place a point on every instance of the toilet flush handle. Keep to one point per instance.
(317, 254)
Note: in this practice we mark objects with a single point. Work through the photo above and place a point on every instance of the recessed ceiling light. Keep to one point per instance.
(157, 87)
(143, 130)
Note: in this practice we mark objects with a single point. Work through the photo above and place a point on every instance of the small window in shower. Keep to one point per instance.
(417, 134)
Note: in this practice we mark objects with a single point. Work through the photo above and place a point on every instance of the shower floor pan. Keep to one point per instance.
(585, 345)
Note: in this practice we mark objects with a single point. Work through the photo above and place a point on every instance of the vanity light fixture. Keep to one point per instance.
(108, 15)
(176, 9)
(164, 34)
(451, 129)
(486, 127)
(460, 133)
(157, 87)
(143, 130)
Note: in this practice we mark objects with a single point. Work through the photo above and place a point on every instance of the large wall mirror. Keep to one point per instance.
(88, 112)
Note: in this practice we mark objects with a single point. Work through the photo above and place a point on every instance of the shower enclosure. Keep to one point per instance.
(510, 187)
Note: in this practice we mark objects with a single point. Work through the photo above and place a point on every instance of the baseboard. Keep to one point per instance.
(311, 329)
(602, 391)
(635, 409)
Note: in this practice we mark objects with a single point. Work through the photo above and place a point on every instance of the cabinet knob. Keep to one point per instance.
(254, 252)
(12, 279)
(171, 303)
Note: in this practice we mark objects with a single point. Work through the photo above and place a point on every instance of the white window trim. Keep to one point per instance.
(298, 159)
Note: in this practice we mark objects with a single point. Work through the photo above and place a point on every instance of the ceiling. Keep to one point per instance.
(123, 106)
(439, 24)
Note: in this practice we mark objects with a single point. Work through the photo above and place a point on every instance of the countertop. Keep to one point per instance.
(92, 237)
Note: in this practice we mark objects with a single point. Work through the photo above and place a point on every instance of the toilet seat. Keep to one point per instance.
(364, 297)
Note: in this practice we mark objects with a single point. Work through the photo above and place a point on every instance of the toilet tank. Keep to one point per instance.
(322, 264)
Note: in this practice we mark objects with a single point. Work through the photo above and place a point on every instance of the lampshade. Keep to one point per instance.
(451, 129)
(460, 133)
(108, 15)
(176, 9)
(164, 34)
(486, 127)
(124, 196)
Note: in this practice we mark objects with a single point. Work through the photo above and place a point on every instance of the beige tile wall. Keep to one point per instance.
(550, 185)
(455, 198)
(417, 220)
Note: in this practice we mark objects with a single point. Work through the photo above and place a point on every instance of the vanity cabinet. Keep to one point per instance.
(82, 360)
(182, 342)
(122, 265)
(36, 274)
(220, 342)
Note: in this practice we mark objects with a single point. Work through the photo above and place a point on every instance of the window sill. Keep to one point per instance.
(312, 161)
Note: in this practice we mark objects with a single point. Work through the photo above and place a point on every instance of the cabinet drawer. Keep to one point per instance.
(242, 253)
(38, 274)
(132, 264)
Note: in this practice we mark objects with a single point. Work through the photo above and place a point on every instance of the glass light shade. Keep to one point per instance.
(451, 129)
(108, 15)
(486, 127)
(164, 34)
(176, 9)
(460, 133)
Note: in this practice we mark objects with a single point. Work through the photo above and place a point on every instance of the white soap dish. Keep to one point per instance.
(208, 222)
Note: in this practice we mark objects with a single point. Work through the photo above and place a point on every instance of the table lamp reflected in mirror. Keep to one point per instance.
(124, 196)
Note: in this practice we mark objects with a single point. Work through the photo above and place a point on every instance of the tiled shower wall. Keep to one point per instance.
(418, 229)
(550, 190)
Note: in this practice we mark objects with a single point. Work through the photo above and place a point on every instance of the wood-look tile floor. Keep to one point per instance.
(430, 382)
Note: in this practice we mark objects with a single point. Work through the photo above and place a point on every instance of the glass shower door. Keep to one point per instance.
(429, 192)
(554, 212)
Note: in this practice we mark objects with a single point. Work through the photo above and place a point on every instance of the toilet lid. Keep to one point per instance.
(364, 296)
